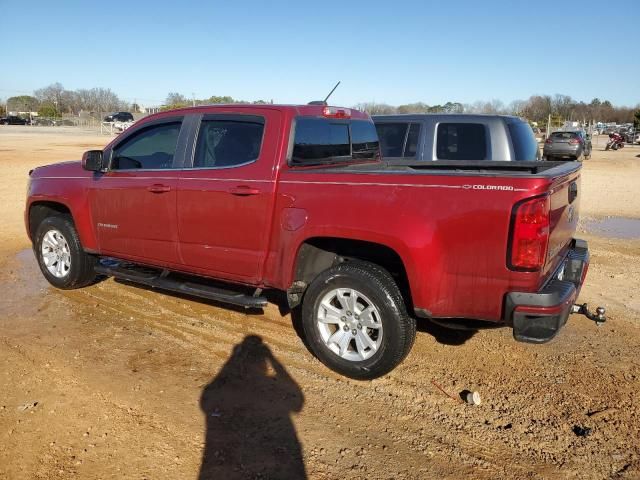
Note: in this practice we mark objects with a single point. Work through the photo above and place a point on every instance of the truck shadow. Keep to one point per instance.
(444, 335)
(247, 409)
(457, 333)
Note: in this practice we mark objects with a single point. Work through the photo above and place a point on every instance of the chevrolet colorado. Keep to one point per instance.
(222, 202)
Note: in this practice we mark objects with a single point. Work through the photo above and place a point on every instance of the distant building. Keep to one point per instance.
(150, 110)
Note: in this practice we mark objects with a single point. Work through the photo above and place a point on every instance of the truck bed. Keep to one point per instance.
(534, 169)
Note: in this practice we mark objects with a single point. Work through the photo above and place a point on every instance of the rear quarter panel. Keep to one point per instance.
(451, 231)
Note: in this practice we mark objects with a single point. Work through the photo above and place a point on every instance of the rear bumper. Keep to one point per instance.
(538, 317)
(562, 151)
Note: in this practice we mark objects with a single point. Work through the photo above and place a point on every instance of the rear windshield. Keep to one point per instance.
(525, 146)
(323, 140)
(461, 141)
(563, 135)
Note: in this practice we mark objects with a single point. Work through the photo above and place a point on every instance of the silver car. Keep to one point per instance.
(570, 145)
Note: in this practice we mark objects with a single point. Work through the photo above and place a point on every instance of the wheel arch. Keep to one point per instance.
(40, 209)
(316, 254)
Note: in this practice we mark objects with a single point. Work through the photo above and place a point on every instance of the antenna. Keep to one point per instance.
(332, 90)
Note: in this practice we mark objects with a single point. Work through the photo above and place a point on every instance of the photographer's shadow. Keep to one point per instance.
(248, 406)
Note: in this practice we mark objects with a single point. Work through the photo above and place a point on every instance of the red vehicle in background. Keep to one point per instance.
(223, 202)
(615, 142)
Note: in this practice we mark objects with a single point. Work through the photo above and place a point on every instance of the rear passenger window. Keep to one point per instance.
(461, 141)
(151, 148)
(228, 143)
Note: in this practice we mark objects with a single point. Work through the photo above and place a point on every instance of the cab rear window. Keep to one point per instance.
(321, 140)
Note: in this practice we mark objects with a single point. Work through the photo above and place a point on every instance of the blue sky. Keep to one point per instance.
(292, 52)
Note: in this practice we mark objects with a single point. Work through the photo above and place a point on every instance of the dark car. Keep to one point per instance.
(567, 144)
(119, 117)
(13, 120)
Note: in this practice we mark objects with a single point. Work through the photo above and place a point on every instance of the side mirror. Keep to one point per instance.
(92, 160)
(588, 137)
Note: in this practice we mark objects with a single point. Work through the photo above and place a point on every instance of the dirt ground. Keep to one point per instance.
(116, 381)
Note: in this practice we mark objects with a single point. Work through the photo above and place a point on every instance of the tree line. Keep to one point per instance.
(536, 108)
(178, 100)
(54, 100)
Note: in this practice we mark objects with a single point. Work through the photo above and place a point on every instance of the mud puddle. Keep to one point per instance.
(614, 227)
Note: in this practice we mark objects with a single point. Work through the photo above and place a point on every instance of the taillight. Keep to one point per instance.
(530, 234)
(575, 141)
(548, 140)
(336, 112)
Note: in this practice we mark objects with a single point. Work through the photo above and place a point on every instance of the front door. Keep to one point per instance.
(134, 202)
(225, 200)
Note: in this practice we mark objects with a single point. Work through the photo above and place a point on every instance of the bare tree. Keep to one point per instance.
(373, 108)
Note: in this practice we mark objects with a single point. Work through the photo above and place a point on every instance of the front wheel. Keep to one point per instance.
(355, 320)
(60, 256)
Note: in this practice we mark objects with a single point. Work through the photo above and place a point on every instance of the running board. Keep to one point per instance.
(163, 281)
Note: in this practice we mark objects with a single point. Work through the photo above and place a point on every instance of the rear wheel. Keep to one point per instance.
(60, 256)
(355, 320)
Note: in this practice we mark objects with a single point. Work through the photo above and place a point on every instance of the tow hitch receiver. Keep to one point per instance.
(599, 317)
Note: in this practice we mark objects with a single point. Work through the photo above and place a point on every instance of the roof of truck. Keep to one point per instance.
(310, 110)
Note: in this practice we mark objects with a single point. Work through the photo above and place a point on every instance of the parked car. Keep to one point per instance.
(13, 120)
(223, 202)
(573, 145)
(44, 122)
(427, 137)
(119, 117)
(631, 136)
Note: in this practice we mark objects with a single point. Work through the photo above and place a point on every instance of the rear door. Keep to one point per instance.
(134, 203)
(226, 195)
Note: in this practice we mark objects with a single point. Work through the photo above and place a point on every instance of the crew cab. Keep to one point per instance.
(225, 202)
(443, 136)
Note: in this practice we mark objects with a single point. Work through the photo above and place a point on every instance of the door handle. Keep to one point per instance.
(158, 188)
(243, 190)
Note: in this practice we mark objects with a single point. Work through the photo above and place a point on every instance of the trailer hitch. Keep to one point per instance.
(599, 317)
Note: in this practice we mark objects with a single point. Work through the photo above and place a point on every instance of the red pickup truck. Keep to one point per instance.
(223, 202)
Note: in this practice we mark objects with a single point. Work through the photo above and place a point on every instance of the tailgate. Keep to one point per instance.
(565, 207)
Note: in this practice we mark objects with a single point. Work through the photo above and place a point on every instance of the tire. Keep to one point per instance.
(614, 146)
(607, 147)
(60, 256)
(371, 288)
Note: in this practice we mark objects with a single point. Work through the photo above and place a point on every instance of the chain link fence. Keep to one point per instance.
(92, 122)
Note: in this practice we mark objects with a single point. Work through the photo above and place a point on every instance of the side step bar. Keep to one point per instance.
(163, 281)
